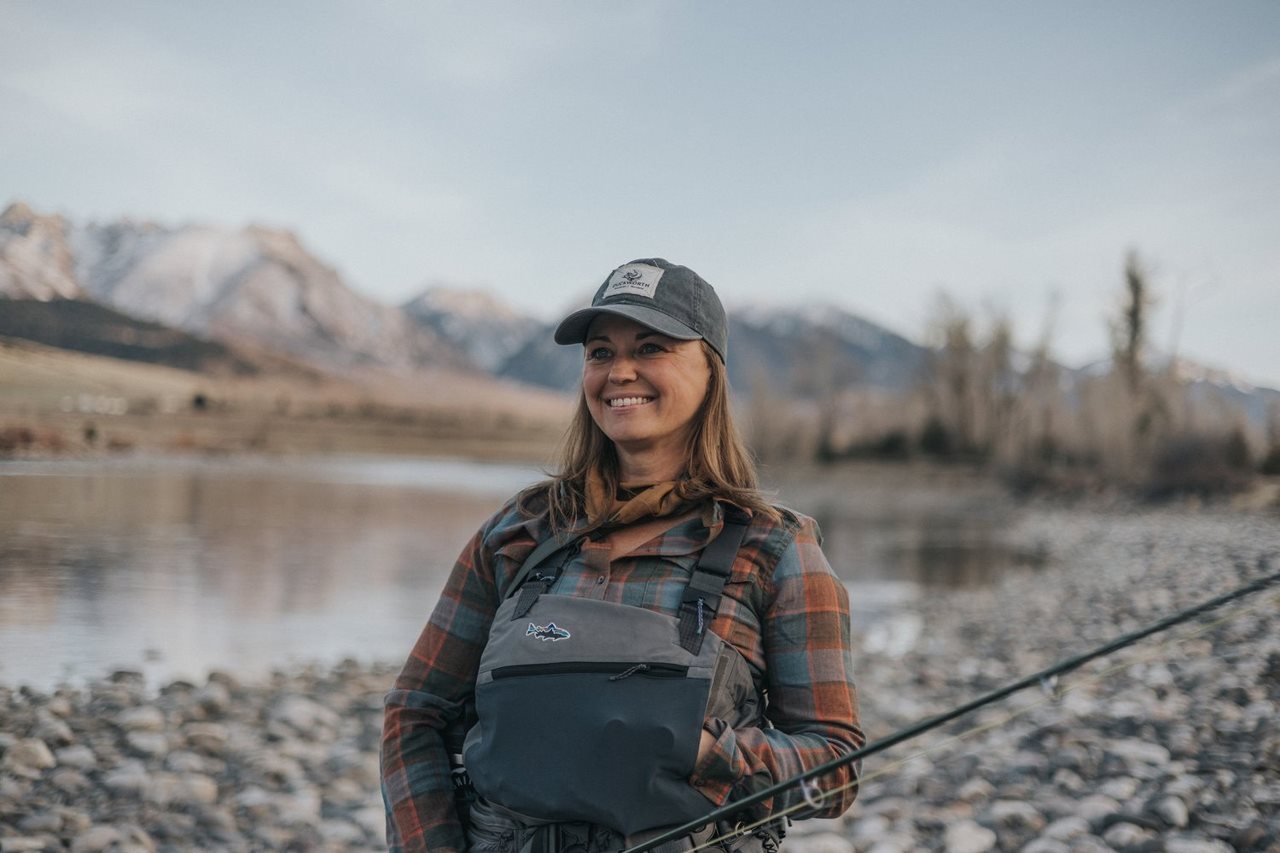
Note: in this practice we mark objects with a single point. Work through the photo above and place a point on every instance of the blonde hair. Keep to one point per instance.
(717, 462)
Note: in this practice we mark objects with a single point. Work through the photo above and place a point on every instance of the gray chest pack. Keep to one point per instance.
(592, 711)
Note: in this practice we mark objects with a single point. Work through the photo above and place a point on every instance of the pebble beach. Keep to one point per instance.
(1172, 745)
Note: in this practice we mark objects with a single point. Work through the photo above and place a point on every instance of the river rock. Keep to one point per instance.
(1136, 752)
(894, 842)
(976, 790)
(300, 807)
(257, 803)
(147, 743)
(98, 839)
(1124, 834)
(893, 808)
(1185, 787)
(80, 757)
(186, 789)
(218, 820)
(347, 792)
(1066, 828)
(1016, 815)
(144, 718)
(209, 738)
(1195, 845)
(41, 821)
(1069, 780)
(185, 761)
(69, 781)
(868, 829)
(25, 843)
(214, 699)
(372, 819)
(1045, 845)
(967, 836)
(344, 834)
(1120, 789)
(74, 821)
(128, 779)
(305, 716)
(1095, 808)
(1172, 811)
(821, 842)
(27, 757)
(52, 729)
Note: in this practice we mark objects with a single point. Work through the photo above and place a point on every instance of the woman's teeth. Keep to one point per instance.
(619, 402)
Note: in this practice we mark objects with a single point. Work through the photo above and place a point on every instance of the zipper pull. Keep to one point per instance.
(627, 673)
(701, 619)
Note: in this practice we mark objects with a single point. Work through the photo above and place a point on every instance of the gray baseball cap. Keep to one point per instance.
(659, 295)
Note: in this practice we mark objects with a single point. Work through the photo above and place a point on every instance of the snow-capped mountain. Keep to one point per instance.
(254, 285)
(813, 345)
(479, 324)
(36, 259)
(1219, 389)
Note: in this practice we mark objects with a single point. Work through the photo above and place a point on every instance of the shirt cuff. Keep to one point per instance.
(719, 770)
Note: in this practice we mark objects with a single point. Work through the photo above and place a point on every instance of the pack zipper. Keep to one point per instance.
(618, 669)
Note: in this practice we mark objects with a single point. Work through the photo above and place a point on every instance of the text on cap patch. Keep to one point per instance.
(637, 279)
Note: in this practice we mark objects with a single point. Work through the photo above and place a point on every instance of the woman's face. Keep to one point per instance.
(642, 388)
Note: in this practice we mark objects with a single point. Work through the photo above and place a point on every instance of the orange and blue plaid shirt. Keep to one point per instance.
(783, 609)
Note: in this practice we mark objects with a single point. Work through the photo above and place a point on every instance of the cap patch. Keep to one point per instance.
(634, 279)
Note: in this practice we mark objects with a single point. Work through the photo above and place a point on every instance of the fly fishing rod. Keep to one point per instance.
(1044, 677)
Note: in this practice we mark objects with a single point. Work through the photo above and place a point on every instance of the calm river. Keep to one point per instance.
(177, 566)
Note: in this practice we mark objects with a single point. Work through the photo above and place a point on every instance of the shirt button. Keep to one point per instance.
(599, 580)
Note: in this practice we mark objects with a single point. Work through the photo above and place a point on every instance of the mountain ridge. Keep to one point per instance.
(260, 287)
(256, 285)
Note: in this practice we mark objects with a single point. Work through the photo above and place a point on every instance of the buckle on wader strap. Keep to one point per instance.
(531, 589)
(701, 597)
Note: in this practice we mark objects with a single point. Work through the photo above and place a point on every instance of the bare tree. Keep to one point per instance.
(1129, 332)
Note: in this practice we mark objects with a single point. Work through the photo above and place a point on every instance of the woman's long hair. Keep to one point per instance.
(717, 462)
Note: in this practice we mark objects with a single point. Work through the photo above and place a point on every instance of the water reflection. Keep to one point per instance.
(933, 551)
(179, 566)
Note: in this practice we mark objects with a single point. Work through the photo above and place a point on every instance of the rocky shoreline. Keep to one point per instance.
(289, 764)
(1171, 745)
(1177, 749)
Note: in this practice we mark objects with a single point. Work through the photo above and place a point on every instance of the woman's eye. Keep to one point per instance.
(649, 349)
(597, 354)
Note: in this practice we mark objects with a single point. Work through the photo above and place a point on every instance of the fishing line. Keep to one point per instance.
(1044, 676)
(1056, 694)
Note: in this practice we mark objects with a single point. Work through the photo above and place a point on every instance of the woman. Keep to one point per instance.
(641, 638)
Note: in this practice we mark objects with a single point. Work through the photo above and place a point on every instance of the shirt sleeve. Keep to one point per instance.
(812, 702)
(430, 694)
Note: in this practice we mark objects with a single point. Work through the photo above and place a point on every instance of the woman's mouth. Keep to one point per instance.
(627, 402)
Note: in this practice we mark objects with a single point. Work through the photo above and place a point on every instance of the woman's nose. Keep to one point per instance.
(622, 369)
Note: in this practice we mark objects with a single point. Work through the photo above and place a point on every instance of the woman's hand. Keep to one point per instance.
(705, 745)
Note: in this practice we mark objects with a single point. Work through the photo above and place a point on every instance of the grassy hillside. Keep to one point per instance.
(56, 401)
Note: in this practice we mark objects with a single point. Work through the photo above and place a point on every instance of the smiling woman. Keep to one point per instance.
(643, 390)
(639, 639)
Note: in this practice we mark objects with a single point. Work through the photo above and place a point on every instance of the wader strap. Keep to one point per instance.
(544, 549)
(541, 583)
(702, 595)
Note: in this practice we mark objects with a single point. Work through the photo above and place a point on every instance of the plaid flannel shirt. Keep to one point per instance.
(783, 609)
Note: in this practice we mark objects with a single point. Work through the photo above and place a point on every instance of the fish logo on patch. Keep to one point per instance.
(550, 632)
(634, 280)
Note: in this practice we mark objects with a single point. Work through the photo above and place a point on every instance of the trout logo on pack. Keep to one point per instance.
(550, 632)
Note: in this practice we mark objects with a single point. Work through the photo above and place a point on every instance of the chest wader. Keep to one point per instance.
(591, 713)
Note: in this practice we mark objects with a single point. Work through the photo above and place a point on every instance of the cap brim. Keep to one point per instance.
(573, 329)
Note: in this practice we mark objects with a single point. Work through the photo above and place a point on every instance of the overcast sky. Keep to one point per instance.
(866, 155)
